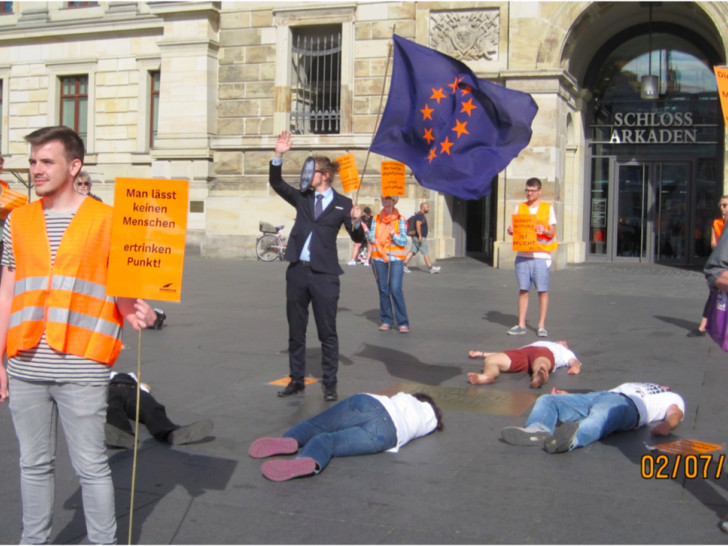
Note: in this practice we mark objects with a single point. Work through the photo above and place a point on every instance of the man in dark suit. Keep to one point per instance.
(313, 274)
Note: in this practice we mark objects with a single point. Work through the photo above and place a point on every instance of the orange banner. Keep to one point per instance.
(10, 199)
(148, 239)
(524, 232)
(392, 178)
(348, 172)
(721, 76)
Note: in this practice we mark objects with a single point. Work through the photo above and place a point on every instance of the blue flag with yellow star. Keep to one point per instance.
(454, 130)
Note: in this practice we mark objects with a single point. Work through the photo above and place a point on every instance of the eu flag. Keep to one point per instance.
(454, 130)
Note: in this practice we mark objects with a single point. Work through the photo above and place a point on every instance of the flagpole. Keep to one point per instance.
(379, 113)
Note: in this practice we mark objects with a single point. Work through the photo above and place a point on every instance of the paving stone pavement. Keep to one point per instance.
(226, 341)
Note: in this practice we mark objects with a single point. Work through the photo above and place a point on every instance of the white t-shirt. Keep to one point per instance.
(552, 222)
(562, 355)
(652, 400)
(411, 417)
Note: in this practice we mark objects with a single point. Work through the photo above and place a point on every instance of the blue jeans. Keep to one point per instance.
(389, 282)
(358, 425)
(599, 414)
(35, 407)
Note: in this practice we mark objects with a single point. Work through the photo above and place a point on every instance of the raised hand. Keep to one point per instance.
(283, 144)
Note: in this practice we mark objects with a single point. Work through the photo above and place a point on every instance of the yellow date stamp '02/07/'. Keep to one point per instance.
(690, 466)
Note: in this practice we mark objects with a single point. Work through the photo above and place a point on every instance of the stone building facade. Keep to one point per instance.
(632, 178)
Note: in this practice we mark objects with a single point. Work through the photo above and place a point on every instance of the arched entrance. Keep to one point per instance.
(655, 165)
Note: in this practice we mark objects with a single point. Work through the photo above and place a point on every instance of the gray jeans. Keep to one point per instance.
(35, 407)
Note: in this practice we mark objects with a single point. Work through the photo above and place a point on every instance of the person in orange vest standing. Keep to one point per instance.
(533, 267)
(62, 334)
(388, 236)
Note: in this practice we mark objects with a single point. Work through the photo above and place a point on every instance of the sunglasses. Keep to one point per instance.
(83, 183)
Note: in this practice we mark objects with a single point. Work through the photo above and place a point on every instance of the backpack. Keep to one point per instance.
(411, 227)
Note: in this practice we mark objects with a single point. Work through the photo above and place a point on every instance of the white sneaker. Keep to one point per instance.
(407, 269)
(434, 269)
(352, 262)
(366, 264)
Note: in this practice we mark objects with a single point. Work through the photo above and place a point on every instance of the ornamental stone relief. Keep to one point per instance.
(466, 35)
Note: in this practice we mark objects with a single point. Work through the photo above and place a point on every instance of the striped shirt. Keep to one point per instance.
(42, 363)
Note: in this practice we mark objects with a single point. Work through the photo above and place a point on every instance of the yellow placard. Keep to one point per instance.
(148, 239)
(687, 447)
(10, 199)
(721, 76)
(524, 232)
(348, 173)
(392, 178)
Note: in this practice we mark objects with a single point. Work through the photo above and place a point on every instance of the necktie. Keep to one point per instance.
(319, 208)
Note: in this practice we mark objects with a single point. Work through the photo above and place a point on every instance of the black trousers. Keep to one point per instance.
(321, 290)
(122, 408)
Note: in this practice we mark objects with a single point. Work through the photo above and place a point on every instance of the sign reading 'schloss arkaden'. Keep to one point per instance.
(148, 238)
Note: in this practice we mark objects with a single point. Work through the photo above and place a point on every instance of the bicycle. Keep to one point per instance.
(272, 244)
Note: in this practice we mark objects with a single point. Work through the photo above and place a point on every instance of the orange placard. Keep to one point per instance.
(148, 239)
(524, 232)
(392, 178)
(348, 172)
(10, 199)
(721, 76)
(687, 447)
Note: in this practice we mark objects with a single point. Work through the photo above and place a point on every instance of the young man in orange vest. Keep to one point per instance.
(533, 267)
(61, 333)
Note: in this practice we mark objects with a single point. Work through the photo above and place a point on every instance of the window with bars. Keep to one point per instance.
(74, 104)
(154, 81)
(6, 8)
(316, 80)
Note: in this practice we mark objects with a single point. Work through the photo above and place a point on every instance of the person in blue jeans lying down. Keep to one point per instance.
(360, 425)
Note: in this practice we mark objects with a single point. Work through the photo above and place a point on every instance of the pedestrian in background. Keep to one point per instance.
(715, 233)
(419, 232)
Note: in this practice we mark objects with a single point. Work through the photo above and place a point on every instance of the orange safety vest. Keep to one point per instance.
(718, 227)
(544, 243)
(68, 299)
(392, 250)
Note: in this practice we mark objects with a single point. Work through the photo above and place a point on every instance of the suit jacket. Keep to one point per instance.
(324, 230)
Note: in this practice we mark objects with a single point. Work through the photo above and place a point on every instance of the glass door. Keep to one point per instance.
(631, 224)
(652, 220)
(672, 214)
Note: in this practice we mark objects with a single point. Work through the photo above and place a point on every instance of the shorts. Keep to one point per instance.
(532, 270)
(522, 359)
(419, 247)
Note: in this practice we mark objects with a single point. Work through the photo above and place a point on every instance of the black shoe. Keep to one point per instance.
(563, 438)
(294, 387)
(189, 434)
(330, 393)
(696, 333)
(115, 437)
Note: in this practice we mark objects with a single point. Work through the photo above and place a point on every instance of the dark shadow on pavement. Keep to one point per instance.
(504, 319)
(160, 469)
(681, 323)
(405, 366)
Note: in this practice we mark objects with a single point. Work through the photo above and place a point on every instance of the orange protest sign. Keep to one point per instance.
(392, 178)
(148, 239)
(687, 447)
(10, 199)
(524, 232)
(721, 76)
(348, 172)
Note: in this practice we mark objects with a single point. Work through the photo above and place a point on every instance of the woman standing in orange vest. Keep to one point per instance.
(388, 237)
(714, 237)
